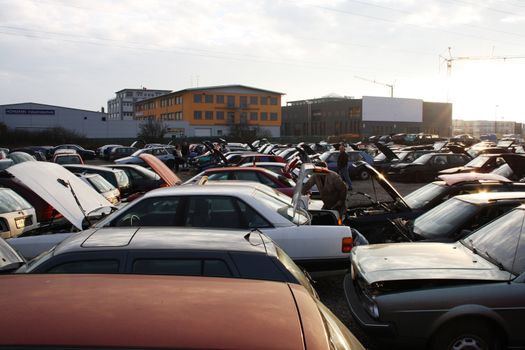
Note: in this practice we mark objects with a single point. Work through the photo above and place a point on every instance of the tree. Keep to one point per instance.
(152, 130)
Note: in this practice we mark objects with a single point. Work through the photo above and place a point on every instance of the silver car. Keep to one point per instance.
(16, 214)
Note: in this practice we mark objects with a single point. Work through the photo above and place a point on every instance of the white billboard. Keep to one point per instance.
(388, 109)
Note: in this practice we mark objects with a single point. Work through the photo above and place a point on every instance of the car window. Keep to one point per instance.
(499, 238)
(332, 157)
(456, 159)
(246, 176)
(251, 218)
(157, 211)
(182, 267)
(439, 160)
(88, 266)
(214, 211)
(10, 201)
(354, 156)
(223, 175)
(265, 180)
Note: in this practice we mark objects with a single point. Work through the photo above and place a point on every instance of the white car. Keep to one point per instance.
(244, 206)
(16, 214)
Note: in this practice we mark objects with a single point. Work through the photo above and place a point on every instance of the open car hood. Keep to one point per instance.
(298, 200)
(161, 169)
(386, 151)
(49, 181)
(516, 162)
(387, 186)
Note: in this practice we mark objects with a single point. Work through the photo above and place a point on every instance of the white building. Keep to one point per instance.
(477, 128)
(122, 106)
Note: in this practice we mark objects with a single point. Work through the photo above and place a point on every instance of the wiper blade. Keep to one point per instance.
(493, 260)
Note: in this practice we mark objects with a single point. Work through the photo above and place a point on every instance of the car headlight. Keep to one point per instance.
(20, 223)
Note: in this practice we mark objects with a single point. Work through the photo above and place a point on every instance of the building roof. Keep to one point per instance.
(36, 105)
(219, 87)
(143, 89)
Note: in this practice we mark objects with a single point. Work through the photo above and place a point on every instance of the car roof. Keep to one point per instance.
(244, 188)
(147, 311)
(167, 238)
(488, 197)
(453, 179)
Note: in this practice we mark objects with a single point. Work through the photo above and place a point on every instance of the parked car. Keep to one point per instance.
(117, 178)
(226, 313)
(464, 295)
(254, 174)
(140, 178)
(120, 152)
(306, 236)
(384, 160)
(455, 218)
(372, 220)
(484, 163)
(514, 167)
(426, 167)
(102, 186)
(354, 169)
(16, 214)
(160, 152)
(103, 151)
(63, 157)
(38, 155)
(245, 157)
(84, 153)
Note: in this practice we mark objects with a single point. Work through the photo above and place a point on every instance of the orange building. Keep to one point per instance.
(211, 111)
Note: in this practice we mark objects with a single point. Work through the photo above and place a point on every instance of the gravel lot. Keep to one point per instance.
(330, 288)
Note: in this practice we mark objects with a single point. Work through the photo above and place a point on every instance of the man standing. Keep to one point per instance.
(342, 166)
(333, 190)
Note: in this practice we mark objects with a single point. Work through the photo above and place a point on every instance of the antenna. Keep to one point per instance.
(391, 86)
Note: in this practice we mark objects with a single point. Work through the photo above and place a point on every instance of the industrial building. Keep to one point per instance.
(212, 111)
(477, 128)
(122, 107)
(370, 115)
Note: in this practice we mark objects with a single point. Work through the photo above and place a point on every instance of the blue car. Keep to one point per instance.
(357, 172)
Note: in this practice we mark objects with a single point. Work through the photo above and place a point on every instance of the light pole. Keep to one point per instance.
(496, 120)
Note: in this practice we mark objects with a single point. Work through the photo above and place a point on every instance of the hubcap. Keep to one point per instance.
(467, 343)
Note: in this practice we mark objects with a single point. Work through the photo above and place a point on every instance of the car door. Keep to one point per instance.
(153, 211)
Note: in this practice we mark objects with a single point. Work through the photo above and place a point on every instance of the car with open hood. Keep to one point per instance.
(141, 179)
(514, 167)
(371, 220)
(160, 152)
(464, 295)
(388, 157)
(118, 178)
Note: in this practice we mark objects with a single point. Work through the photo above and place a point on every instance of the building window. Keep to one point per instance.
(197, 115)
(219, 99)
(244, 117)
(253, 115)
(264, 100)
(208, 98)
(231, 117)
(219, 114)
(273, 116)
(178, 100)
(264, 115)
(178, 115)
(253, 100)
(197, 98)
(208, 115)
(273, 101)
(231, 101)
(243, 101)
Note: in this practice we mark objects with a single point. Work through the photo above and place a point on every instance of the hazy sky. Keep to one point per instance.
(78, 53)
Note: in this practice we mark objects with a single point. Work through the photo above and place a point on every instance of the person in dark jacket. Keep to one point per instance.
(342, 166)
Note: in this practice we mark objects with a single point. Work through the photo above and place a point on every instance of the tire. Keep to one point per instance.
(466, 334)
(362, 174)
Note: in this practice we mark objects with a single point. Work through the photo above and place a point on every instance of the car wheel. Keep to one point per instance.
(466, 335)
(362, 174)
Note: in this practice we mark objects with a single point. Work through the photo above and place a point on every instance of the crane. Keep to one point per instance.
(451, 59)
(391, 86)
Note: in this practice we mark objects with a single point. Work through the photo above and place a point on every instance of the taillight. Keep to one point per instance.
(347, 243)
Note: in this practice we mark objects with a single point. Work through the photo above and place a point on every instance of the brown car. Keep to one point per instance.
(145, 311)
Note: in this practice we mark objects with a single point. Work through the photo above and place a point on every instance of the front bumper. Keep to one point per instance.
(365, 321)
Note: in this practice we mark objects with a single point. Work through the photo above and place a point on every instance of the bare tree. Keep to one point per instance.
(152, 130)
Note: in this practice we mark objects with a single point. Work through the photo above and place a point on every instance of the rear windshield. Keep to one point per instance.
(102, 185)
(10, 201)
(122, 178)
(424, 195)
(68, 160)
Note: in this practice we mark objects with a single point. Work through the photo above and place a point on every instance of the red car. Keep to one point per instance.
(255, 174)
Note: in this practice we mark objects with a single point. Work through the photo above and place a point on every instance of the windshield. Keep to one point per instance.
(497, 241)
(477, 162)
(284, 209)
(122, 178)
(423, 159)
(325, 156)
(504, 170)
(444, 219)
(424, 195)
(102, 185)
(10, 201)
(380, 157)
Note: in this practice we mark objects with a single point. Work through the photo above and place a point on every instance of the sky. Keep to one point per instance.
(77, 53)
